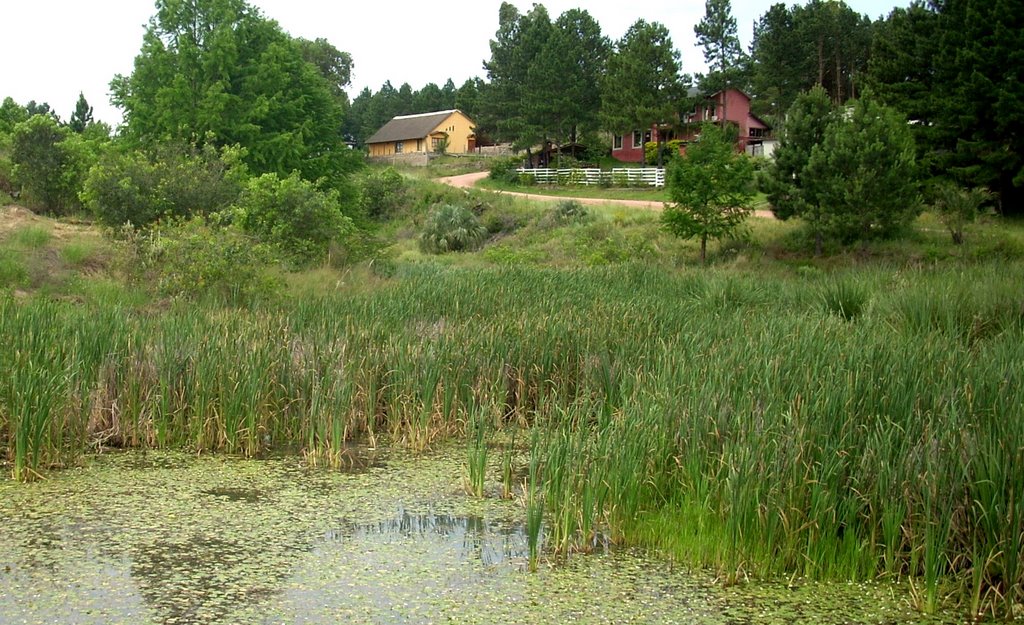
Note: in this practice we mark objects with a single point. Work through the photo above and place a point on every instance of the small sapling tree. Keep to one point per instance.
(710, 187)
(958, 207)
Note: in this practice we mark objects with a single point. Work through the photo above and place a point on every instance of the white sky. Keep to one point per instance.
(52, 49)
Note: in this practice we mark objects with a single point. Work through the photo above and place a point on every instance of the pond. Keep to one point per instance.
(171, 538)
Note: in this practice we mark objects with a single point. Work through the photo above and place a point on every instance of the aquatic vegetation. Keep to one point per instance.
(732, 421)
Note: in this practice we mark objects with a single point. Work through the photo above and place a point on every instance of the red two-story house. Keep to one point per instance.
(753, 135)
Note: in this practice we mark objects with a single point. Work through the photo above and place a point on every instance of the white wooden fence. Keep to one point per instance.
(617, 177)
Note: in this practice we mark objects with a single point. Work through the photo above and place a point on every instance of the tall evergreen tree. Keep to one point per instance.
(823, 42)
(517, 43)
(82, 115)
(642, 85)
(864, 173)
(716, 33)
(981, 124)
(563, 84)
(788, 192)
(901, 71)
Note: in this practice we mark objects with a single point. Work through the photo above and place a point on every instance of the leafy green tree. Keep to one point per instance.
(216, 71)
(11, 114)
(901, 70)
(292, 215)
(711, 188)
(333, 64)
(82, 115)
(49, 163)
(642, 85)
(784, 182)
(864, 173)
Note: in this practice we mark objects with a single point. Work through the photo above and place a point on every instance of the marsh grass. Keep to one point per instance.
(734, 421)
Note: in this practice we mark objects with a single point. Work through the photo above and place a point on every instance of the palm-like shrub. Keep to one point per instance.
(451, 228)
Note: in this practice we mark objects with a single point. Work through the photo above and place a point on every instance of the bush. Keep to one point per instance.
(504, 169)
(49, 162)
(173, 183)
(451, 228)
(569, 212)
(383, 194)
(292, 215)
(669, 151)
(194, 260)
(958, 207)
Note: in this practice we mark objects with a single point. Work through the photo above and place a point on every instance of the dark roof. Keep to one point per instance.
(405, 127)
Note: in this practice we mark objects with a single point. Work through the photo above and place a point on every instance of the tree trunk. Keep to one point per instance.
(703, 249)
(821, 61)
(661, 150)
(819, 245)
(839, 77)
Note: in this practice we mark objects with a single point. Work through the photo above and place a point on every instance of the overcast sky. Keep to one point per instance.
(52, 49)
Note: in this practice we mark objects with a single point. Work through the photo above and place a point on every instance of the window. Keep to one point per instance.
(399, 147)
(638, 139)
(617, 142)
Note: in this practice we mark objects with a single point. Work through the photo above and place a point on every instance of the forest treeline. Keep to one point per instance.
(220, 88)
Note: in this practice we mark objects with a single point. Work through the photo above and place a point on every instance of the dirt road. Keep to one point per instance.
(466, 181)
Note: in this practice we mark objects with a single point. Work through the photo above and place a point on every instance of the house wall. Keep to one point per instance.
(631, 152)
(736, 110)
(459, 129)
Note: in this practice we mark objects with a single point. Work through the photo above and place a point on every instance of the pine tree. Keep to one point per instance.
(642, 85)
(716, 33)
(82, 116)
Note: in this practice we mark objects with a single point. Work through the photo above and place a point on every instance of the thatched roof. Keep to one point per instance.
(407, 127)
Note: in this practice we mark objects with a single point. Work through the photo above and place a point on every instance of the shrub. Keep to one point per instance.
(958, 207)
(292, 215)
(569, 212)
(172, 183)
(383, 194)
(504, 169)
(451, 228)
(195, 260)
(49, 162)
(669, 151)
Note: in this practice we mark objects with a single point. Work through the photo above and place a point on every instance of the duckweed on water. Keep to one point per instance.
(168, 538)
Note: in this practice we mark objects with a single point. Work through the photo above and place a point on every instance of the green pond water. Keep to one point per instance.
(170, 538)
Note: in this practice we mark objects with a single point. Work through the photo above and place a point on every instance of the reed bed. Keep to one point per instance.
(850, 426)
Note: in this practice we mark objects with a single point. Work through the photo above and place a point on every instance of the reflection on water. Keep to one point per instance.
(467, 537)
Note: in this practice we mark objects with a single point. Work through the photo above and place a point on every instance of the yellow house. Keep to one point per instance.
(423, 133)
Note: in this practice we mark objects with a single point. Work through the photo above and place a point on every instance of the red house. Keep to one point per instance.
(754, 136)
